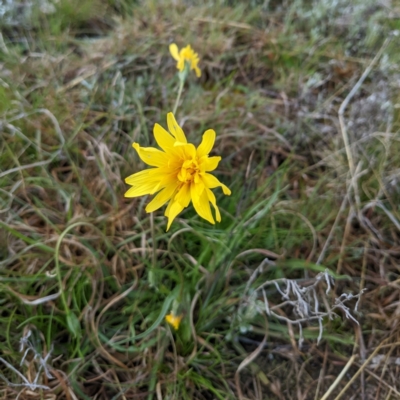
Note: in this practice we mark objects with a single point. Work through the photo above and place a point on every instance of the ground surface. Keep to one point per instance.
(310, 153)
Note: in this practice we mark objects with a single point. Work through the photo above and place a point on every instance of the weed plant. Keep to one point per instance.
(293, 295)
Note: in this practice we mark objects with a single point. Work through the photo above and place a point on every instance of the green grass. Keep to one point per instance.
(79, 84)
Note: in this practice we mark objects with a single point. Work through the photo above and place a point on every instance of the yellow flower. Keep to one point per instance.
(185, 55)
(174, 320)
(181, 173)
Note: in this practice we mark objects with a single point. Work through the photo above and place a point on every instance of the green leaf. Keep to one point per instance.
(74, 325)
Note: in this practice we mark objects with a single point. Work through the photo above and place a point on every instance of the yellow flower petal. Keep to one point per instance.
(173, 49)
(213, 201)
(207, 143)
(151, 156)
(163, 138)
(196, 189)
(183, 196)
(212, 182)
(142, 190)
(211, 163)
(174, 320)
(146, 176)
(168, 178)
(202, 207)
(138, 178)
(175, 129)
(166, 212)
(181, 64)
(188, 149)
(161, 198)
(173, 211)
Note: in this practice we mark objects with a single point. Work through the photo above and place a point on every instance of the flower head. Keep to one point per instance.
(174, 320)
(180, 174)
(185, 55)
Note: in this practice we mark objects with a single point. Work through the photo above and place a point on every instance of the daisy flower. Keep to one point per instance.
(185, 55)
(180, 173)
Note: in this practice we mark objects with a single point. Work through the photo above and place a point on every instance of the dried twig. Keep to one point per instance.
(27, 345)
(304, 301)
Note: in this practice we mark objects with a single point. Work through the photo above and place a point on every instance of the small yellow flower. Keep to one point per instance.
(181, 173)
(185, 55)
(174, 320)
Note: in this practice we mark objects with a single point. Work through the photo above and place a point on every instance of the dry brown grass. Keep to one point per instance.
(76, 91)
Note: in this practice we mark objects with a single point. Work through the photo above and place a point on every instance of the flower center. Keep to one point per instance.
(189, 171)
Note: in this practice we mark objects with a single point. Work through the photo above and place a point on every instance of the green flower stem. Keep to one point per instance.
(181, 83)
(182, 77)
(152, 279)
